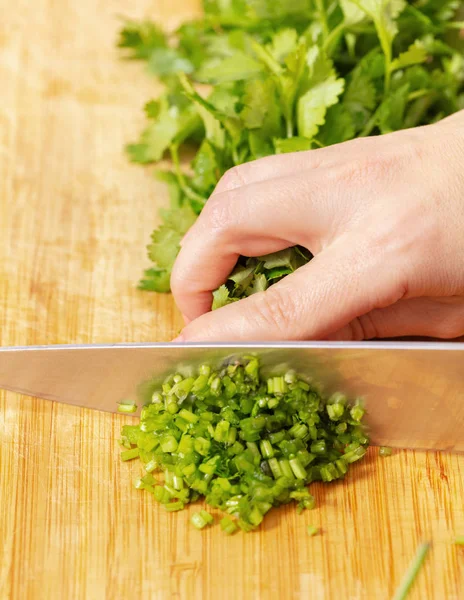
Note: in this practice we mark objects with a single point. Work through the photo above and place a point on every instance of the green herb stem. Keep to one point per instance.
(333, 37)
(312, 530)
(412, 572)
(127, 407)
(385, 451)
(323, 18)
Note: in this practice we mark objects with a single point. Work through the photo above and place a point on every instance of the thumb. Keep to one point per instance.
(341, 283)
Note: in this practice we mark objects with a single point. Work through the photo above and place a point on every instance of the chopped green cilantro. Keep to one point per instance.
(244, 442)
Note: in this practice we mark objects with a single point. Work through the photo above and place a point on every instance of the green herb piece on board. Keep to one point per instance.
(243, 442)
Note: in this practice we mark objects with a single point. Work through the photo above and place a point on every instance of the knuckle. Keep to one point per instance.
(363, 328)
(368, 169)
(217, 215)
(177, 282)
(276, 309)
(231, 180)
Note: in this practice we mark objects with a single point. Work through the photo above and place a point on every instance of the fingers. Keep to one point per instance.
(295, 162)
(340, 284)
(441, 318)
(267, 168)
(254, 220)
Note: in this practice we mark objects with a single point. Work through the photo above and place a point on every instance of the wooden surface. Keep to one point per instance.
(75, 218)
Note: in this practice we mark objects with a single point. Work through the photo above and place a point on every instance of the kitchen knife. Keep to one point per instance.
(413, 392)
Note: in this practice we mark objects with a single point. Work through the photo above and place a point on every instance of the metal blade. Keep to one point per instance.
(414, 392)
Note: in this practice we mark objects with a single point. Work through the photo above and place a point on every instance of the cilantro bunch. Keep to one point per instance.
(259, 77)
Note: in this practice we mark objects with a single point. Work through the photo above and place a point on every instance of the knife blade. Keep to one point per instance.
(413, 392)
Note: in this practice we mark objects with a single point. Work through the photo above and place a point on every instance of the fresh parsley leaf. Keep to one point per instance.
(414, 55)
(156, 280)
(221, 297)
(390, 115)
(165, 240)
(166, 61)
(140, 38)
(259, 284)
(260, 145)
(283, 43)
(294, 144)
(167, 123)
(312, 107)
(155, 139)
(207, 169)
(238, 67)
(261, 107)
(339, 126)
(352, 13)
(152, 109)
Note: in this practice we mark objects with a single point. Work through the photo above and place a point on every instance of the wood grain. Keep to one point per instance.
(75, 217)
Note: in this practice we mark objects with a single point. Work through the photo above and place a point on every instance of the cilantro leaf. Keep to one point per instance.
(166, 61)
(207, 169)
(221, 297)
(140, 38)
(165, 240)
(237, 67)
(261, 108)
(360, 99)
(285, 258)
(414, 55)
(339, 126)
(312, 106)
(294, 144)
(156, 138)
(259, 284)
(156, 280)
(260, 145)
(390, 115)
(352, 13)
(283, 43)
(169, 123)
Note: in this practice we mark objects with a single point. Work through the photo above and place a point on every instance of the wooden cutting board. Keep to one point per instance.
(75, 218)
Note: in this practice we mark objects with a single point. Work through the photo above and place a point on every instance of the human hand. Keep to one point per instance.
(384, 217)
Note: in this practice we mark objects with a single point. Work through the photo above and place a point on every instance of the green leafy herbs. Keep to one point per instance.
(252, 275)
(282, 77)
(242, 441)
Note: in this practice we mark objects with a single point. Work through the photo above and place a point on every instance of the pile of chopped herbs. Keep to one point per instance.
(284, 76)
(244, 442)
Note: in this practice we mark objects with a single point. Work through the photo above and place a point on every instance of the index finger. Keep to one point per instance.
(253, 220)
